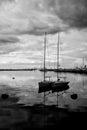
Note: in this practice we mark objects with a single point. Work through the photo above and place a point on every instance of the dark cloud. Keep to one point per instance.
(41, 31)
(39, 16)
(8, 40)
(72, 12)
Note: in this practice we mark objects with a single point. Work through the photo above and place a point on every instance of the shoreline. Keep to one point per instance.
(75, 71)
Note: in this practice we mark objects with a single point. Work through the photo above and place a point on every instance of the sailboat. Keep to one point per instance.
(60, 84)
(45, 85)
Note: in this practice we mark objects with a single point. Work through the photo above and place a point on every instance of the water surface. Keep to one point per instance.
(24, 84)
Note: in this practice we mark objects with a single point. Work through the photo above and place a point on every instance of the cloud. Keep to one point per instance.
(19, 17)
(8, 40)
(5, 50)
(39, 16)
(9, 44)
(72, 12)
(4, 1)
(28, 17)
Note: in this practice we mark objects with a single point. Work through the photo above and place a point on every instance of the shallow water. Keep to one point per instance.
(24, 84)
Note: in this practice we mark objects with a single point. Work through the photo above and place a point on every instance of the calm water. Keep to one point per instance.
(25, 86)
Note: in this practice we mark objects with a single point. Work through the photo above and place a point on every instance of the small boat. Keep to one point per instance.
(45, 85)
(59, 85)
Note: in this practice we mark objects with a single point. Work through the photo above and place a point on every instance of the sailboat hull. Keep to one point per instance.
(60, 86)
(45, 86)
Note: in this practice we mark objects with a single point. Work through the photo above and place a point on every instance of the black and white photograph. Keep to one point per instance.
(43, 64)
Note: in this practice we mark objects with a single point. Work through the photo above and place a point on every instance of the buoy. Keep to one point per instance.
(13, 77)
(74, 96)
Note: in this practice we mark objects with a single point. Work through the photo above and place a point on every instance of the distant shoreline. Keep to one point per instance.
(76, 71)
(17, 69)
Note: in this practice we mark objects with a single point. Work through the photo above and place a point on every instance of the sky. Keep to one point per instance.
(22, 27)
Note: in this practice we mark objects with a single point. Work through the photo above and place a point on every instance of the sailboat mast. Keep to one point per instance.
(58, 55)
(44, 54)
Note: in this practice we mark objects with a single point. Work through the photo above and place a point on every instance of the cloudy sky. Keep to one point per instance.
(22, 27)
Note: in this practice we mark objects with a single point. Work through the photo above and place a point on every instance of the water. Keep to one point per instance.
(24, 84)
